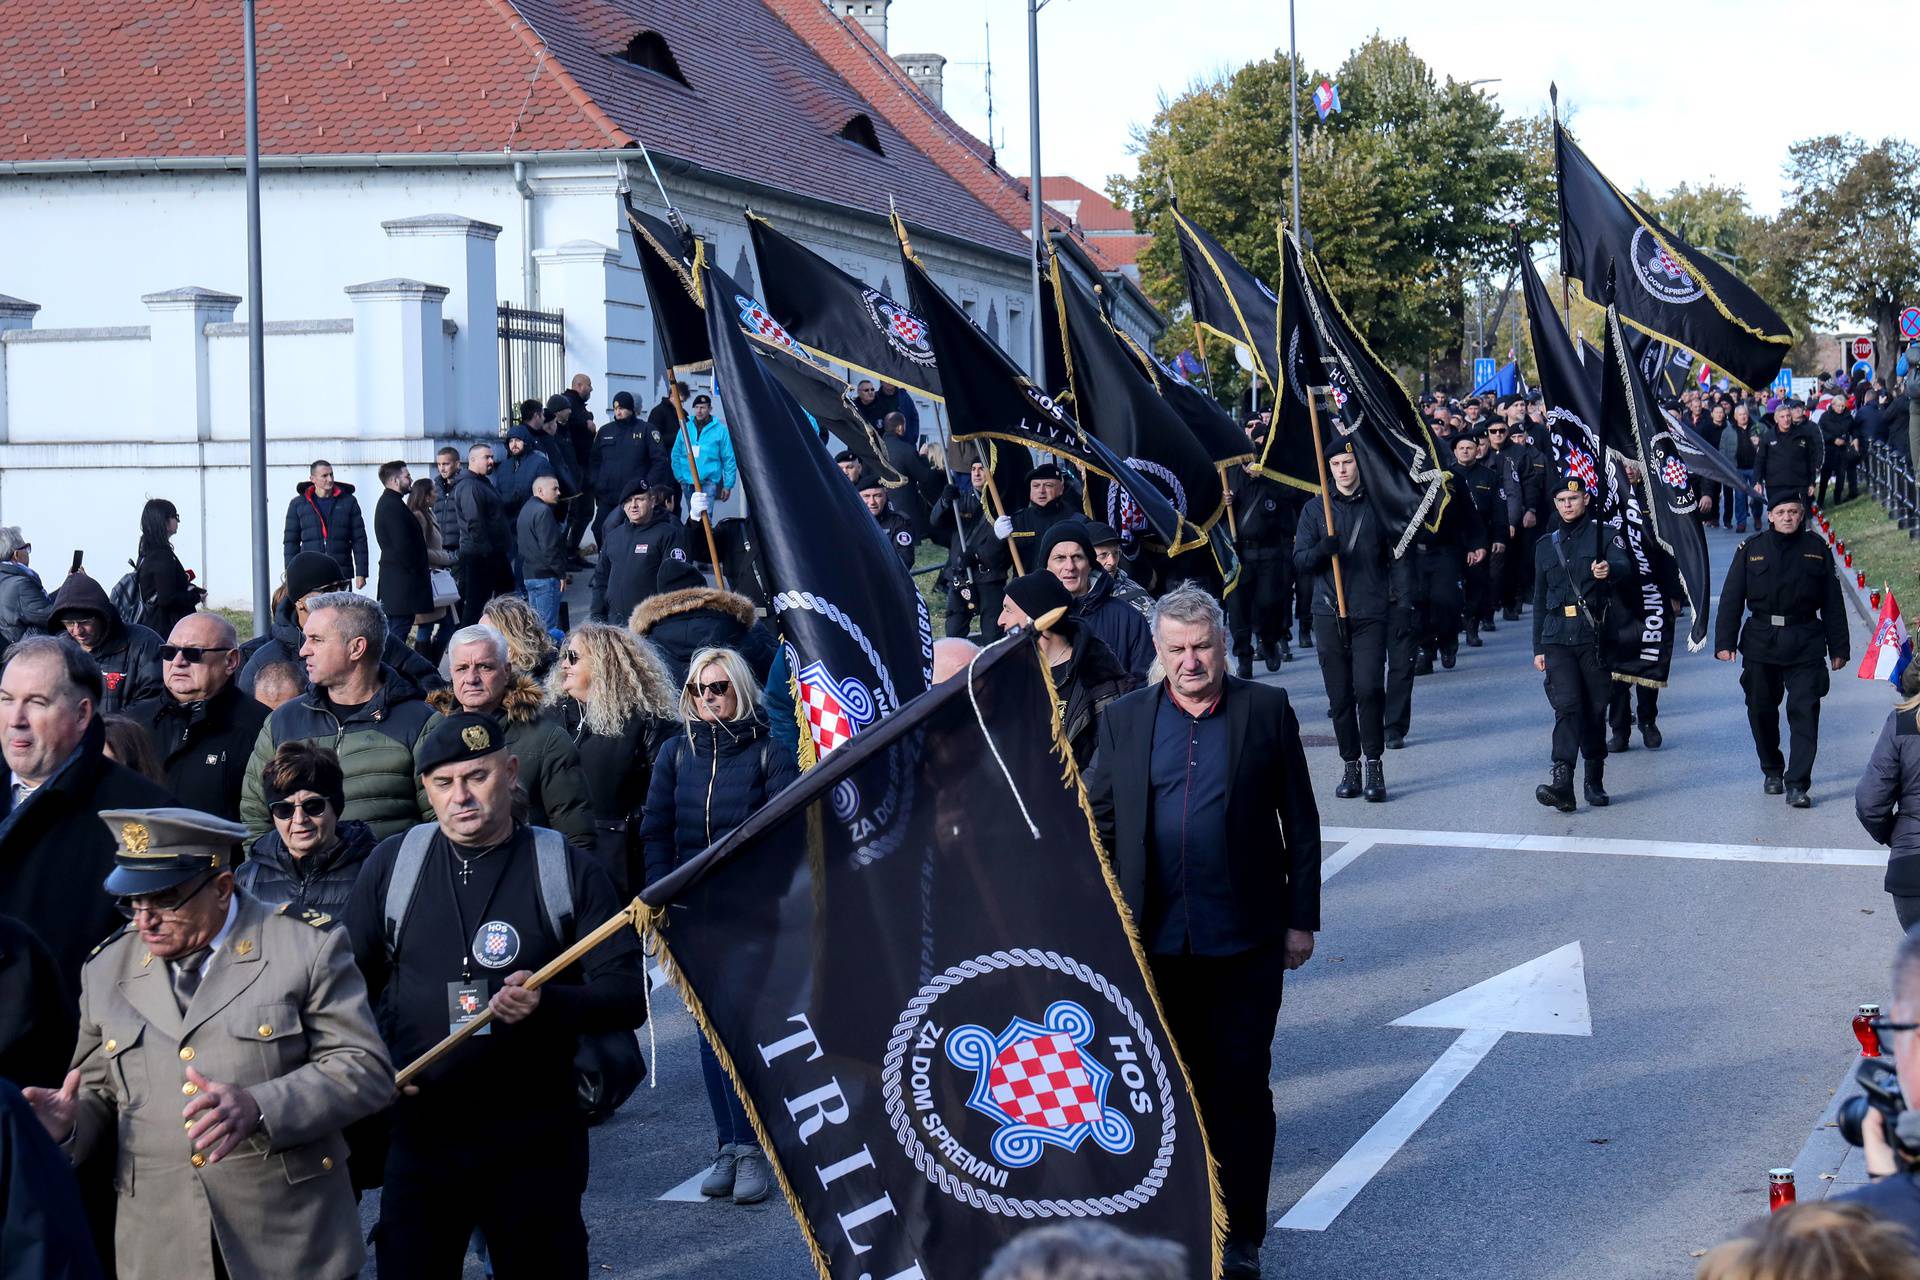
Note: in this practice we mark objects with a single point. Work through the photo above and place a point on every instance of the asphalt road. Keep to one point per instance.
(1720, 989)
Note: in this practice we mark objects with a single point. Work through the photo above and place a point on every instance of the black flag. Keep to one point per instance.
(988, 396)
(670, 262)
(1113, 403)
(1635, 428)
(855, 626)
(827, 399)
(1668, 288)
(1218, 433)
(1399, 459)
(913, 965)
(840, 318)
(1571, 391)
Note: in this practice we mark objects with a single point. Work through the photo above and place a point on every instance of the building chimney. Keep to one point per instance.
(926, 70)
(870, 14)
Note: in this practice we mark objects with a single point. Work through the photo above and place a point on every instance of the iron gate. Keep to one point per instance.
(532, 358)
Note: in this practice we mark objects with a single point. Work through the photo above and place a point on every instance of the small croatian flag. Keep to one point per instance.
(1890, 649)
(1326, 98)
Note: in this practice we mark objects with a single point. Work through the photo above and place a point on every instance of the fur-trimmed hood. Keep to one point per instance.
(654, 610)
(522, 703)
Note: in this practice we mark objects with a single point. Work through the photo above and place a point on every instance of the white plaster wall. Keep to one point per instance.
(85, 390)
(309, 384)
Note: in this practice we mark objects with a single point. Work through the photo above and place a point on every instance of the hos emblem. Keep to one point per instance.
(1659, 272)
(497, 944)
(977, 1110)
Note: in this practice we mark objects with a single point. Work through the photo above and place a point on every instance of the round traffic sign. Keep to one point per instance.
(1863, 348)
(1910, 323)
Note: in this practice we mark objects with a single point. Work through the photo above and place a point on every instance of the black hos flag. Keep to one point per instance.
(913, 965)
(1217, 431)
(1114, 404)
(856, 628)
(670, 261)
(1669, 288)
(1634, 427)
(1570, 389)
(840, 318)
(988, 396)
(1399, 460)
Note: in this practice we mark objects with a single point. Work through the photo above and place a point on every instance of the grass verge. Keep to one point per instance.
(1881, 548)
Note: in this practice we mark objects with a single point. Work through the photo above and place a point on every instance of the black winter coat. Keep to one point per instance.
(1119, 625)
(55, 851)
(205, 746)
(617, 769)
(39, 1014)
(1789, 578)
(627, 453)
(25, 606)
(1569, 602)
(1087, 682)
(1265, 514)
(446, 514)
(163, 584)
(283, 645)
(630, 559)
(543, 541)
(480, 523)
(1365, 551)
(128, 653)
(1788, 461)
(1887, 799)
(404, 588)
(341, 533)
(681, 623)
(961, 518)
(320, 881)
(709, 778)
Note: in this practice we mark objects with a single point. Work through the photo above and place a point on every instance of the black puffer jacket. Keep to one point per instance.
(617, 769)
(445, 514)
(630, 559)
(25, 606)
(205, 746)
(1887, 799)
(320, 881)
(128, 653)
(709, 778)
(283, 645)
(681, 623)
(340, 531)
(1119, 624)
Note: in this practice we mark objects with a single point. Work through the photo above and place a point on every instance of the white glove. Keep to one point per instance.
(1003, 528)
(700, 504)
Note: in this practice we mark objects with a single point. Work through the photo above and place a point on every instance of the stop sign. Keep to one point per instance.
(1863, 348)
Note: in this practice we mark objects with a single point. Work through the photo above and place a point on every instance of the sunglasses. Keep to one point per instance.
(133, 904)
(312, 806)
(191, 652)
(569, 657)
(717, 689)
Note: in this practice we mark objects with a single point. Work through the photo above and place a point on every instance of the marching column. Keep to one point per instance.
(1575, 565)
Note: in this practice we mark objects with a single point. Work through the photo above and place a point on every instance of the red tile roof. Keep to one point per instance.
(1093, 211)
(165, 78)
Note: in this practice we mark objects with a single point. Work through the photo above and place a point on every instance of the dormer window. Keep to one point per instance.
(860, 130)
(649, 51)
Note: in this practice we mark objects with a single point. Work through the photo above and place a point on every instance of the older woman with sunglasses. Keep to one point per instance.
(311, 858)
(612, 696)
(708, 779)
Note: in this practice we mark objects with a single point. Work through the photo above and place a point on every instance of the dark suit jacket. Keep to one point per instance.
(1273, 825)
(404, 585)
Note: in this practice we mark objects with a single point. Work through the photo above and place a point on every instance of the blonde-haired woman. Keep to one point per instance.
(529, 647)
(610, 693)
(708, 779)
(1887, 797)
(1817, 1240)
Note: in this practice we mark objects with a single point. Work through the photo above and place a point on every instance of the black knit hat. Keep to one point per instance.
(623, 400)
(1067, 531)
(1038, 594)
(679, 575)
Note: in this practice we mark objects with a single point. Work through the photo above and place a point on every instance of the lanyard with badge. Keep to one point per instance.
(467, 996)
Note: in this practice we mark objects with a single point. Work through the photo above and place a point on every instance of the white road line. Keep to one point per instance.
(689, 1191)
(1333, 865)
(1636, 848)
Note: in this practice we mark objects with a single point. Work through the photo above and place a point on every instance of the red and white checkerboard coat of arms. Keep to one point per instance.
(1040, 1085)
(836, 710)
(905, 332)
(755, 320)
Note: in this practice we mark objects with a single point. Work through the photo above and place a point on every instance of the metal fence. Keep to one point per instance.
(1891, 481)
(532, 358)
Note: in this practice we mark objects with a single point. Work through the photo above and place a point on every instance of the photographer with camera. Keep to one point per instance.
(1880, 1122)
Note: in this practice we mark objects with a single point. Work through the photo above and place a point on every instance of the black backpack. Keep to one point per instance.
(127, 600)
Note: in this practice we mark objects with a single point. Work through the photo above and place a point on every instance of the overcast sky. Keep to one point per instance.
(1694, 90)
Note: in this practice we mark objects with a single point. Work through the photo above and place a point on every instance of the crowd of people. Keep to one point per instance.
(416, 798)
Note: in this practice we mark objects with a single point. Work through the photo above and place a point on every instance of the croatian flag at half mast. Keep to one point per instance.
(1891, 648)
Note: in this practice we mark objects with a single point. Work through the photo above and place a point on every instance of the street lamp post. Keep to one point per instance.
(1034, 326)
(256, 345)
(1293, 109)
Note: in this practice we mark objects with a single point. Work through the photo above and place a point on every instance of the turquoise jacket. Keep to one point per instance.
(713, 446)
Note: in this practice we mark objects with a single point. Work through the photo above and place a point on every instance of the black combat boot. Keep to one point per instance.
(1616, 741)
(1449, 656)
(1595, 784)
(1557, 793)
(1349, 781)
(1270, 654)
(1473, 634)
(1306, 636)
(1772, 783)
(1376, 790)
(1243, 666)
(1650, 734)
(1423, 665)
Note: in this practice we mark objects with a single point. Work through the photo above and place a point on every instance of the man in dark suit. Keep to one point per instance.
(1200, 791)
(406, 584)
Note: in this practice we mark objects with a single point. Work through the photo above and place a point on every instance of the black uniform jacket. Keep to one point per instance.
(1365, 551)
(1790, 585)
(1273, 825)
(1568, 602)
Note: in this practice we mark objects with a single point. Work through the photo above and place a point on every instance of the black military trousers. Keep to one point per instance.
(480, 579)
(1803, 684)
(1516, 587)
(1262, 603)
(1488, 577)
(1355, 676)
(1438, 598)
(1577, 691)
(450, 1173)
(1619, 704)
(988, 597)
(1221, 1011)
(1403, 648)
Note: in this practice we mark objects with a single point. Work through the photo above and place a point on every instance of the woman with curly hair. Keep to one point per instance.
(529, 647)
(611, 694)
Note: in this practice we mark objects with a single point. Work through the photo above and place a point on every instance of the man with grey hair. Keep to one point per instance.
(1893, 1160)
(25, 606)
(368, 713)
(1201, 796)
(1086, 1251)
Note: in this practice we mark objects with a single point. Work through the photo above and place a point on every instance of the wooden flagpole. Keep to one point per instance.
(693, 469)
(1326, 498)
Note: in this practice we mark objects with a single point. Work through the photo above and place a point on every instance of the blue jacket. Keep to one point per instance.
(713, 448)
(514, 477)
(708, 779)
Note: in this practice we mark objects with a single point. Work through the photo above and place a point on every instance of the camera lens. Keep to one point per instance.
(1853, 1112)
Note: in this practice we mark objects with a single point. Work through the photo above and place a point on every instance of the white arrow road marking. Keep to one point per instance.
(1367, 837)
(1544, 996)
(688, 1191)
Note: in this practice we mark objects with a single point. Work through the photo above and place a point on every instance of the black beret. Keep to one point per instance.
(1573, 484)
(866, 482)
(1038, 594)
(1045, 471)
(465, 735)
(846, 455)
(1101, 534)
(1340, 447)
(1781, 497)
(703, 398)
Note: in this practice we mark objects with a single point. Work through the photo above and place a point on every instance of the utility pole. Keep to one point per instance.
(1034, 327)
(1293, 109)
(256, 347)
